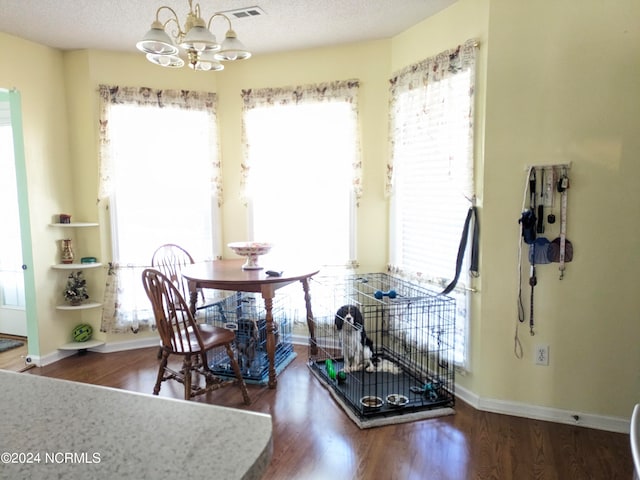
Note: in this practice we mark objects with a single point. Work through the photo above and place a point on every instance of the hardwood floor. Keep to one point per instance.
(314, 439)
(13, 359)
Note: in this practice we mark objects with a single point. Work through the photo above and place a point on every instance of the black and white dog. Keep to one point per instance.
(356, 346)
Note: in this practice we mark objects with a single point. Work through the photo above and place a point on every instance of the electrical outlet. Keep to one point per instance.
(542, 354)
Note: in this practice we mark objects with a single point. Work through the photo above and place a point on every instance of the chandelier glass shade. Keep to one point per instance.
(197, 44)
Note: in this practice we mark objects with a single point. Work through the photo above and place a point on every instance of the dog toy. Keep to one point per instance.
(379, 294)
(342, 376)
(429, 389)
(331, 372)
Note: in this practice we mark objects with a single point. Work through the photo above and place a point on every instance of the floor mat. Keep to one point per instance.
(8, 344)
(382, 421)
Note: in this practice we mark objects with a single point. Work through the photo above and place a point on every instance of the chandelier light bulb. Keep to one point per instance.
(164, 61)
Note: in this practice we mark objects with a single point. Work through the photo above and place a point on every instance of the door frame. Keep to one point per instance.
(15, 106)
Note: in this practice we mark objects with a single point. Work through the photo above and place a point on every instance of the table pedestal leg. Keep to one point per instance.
(271, 341)
(313, 346)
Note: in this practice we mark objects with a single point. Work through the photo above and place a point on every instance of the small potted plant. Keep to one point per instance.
(76, 290)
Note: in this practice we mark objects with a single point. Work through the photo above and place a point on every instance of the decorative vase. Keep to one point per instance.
(75, 302)
(67, 251)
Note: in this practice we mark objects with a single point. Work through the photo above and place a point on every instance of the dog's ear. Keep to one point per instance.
(339, 320)
(358, 318)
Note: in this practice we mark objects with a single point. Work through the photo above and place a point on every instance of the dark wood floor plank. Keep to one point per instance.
(314, 439)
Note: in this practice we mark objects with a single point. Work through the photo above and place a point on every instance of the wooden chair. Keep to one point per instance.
(170, 259)
(181, 335)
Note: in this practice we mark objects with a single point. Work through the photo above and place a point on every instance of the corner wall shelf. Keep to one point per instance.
(74, 224)
(81, 345)
(75, 266)
(82, 306)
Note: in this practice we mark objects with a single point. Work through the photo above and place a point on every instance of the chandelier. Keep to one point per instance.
(195, 39)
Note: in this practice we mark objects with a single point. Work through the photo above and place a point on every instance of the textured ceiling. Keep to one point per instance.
(287, 24)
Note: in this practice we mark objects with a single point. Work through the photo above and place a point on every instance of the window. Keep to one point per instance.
(161, 188)
(302, 170)
(431, 182)
(160, 173)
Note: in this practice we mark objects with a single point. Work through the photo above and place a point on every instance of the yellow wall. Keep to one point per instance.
(368, 62)
(38, 73)
(556, 83)
(562, 86)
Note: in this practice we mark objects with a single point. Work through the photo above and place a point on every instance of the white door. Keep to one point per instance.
(13, 319)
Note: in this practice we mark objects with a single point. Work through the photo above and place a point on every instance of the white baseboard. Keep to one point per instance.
(53, 357)
(517, 409)
(106, 348)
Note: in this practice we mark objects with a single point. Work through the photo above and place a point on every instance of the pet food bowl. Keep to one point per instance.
(370, 402)
(397, 400)
(251, 250)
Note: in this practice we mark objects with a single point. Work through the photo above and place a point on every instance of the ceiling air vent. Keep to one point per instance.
(245, 12)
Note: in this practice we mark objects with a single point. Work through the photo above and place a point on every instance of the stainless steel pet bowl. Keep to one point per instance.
(370, 402)
(397, 400)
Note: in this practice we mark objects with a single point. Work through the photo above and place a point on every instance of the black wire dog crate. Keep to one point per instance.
(245, 314)
(411, 331)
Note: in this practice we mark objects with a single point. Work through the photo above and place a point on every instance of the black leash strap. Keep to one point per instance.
(532, 281)
(532, 278)
(471, 214)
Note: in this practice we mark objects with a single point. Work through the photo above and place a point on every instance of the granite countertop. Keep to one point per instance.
(52, 428)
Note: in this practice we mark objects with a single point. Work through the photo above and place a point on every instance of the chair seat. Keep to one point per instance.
(215, 336)
(212, 337)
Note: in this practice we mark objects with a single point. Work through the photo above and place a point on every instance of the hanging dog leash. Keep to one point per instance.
(563, 185)
(533, 280)
(541, 251)
(561, 249)
(472, 215)
(527, 223)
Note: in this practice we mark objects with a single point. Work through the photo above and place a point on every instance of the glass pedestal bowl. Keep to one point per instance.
(251, 250)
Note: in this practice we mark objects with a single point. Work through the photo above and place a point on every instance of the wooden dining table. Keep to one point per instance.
(229, 275)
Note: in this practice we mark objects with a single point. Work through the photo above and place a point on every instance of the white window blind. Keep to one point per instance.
(432, 172)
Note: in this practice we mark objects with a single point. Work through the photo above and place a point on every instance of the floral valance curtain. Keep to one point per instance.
(419, 76)
(336, 91)
(126, 307)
